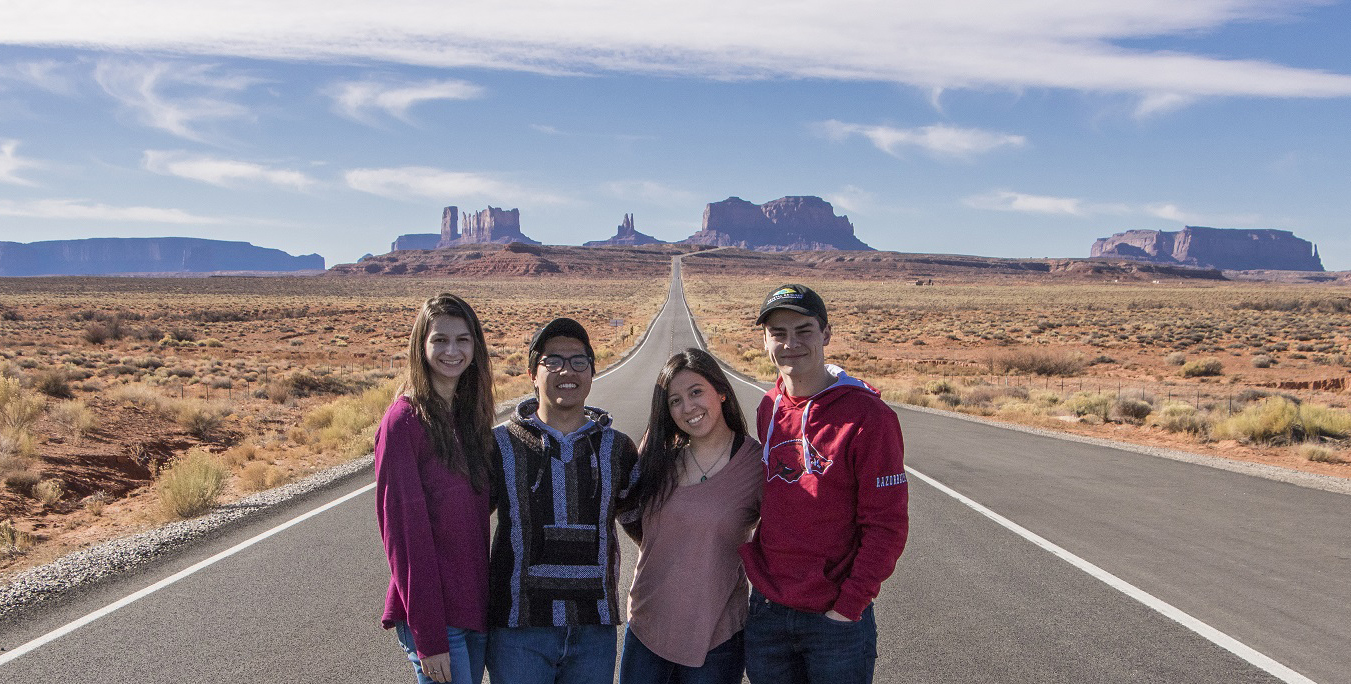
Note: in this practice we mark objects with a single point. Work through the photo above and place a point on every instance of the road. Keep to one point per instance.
(1031, 559)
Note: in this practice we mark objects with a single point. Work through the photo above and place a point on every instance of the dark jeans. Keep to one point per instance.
(787, 646)
(547, 655)
(723, 665)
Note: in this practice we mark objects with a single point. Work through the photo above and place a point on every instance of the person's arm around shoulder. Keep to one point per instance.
(878, 454)
(406, 528)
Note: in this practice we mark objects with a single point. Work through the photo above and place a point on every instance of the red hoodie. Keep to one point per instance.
(833, 524)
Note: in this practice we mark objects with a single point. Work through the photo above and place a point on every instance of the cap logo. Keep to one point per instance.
(785, 293)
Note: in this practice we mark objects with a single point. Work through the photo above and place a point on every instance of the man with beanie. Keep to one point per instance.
(834, 517)
(553, 600)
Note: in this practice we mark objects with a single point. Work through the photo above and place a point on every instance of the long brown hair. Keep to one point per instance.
(470, 416)
(660, 449)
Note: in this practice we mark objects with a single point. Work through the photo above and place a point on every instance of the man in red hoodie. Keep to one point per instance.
(834, 518)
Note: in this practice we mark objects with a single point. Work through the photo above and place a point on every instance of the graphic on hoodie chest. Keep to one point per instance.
(790, 459)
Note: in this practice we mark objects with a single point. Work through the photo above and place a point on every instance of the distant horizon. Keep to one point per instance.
(1022, 127)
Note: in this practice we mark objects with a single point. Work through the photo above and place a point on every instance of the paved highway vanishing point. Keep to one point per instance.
(1031, 559)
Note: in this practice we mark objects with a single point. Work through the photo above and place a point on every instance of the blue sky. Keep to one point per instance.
(1015, 128)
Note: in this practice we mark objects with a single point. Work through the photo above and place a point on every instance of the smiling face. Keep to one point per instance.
(695, 406)
(450, 349)
(565, 390)
(796, 344)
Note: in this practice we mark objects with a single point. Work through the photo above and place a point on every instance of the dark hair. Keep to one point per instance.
(470, 416)
(663, 440)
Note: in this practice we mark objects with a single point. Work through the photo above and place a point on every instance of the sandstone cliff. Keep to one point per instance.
(492, 225)
(626, 235)
(416, 241)
(98, 256)
(1222, 248)
(785, 224)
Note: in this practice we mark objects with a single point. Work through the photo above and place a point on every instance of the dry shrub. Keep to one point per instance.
(1273, 420)
(1207, 367)
(96, 502)
(1097, 404)
(48, 492)
(239, 454)
(19, 409)
(201, 419)
(1178, 416)
(75, 416)
(1175, 358)
(1319, 454)
(22, 481)
(54, 383)
(190, 485)
(142, 396)
(258, 476)
(345, 423)
(1127, 410)
(1036, 362)
(1262, 361)
(13, 540)
(1322, 421)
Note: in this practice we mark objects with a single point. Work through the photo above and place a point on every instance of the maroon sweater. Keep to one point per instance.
(834, 517)
(436, 533)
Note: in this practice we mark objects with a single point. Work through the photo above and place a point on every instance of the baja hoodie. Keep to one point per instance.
(834, 518)
(555, 554)
(435, 529)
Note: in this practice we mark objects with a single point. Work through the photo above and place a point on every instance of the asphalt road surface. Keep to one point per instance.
(1031, 559)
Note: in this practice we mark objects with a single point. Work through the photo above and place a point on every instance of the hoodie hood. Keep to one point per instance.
(843, 383)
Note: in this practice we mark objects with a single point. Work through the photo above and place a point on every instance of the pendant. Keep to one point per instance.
(703, 478)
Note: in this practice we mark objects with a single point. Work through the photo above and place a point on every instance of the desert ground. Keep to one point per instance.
(1245, 370)
(105, 383)
(109, 387)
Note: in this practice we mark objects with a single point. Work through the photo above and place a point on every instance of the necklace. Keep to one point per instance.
(704, 472)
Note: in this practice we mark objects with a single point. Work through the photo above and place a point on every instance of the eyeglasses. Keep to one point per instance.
(554, 363)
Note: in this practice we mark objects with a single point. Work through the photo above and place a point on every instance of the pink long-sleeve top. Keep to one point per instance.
(436, 533)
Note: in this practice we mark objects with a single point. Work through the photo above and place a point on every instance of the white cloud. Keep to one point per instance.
(938, 140)
(652, 192)
(850, 198)
(547, 130)
(222, 172)
(44, 74)
(177, 98)
(1004, 200)
(419, 182)
(1172, 212)
(1012, 44)
(11, 164)
(360, 100)
(84, 210)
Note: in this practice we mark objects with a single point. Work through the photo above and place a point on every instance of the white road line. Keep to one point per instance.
(132, 598)
(1213, 635)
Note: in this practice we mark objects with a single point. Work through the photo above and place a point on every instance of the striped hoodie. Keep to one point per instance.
(555, 555)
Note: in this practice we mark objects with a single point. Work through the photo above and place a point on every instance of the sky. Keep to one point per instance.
(1008, 128)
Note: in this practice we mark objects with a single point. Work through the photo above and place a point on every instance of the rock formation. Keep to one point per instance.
(416, 241)
(1222, 248)
(786, 224)
(98, 256)
(492, 225)
(626, 235)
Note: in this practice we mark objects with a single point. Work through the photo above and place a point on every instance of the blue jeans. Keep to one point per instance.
(787, 646)
(582, 654)
(723, 665)
(467, 649)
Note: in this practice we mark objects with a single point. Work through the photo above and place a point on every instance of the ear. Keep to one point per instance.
(825, 335)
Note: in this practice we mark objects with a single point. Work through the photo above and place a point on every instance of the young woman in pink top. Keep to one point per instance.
(432, 451)
(698, 499)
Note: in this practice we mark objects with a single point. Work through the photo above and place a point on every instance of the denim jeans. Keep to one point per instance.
(723, 665)
(582, 654)
(787, 646)
(467, 649)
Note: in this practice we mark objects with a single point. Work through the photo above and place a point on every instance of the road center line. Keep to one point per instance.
(1169, 611)
(132, 598)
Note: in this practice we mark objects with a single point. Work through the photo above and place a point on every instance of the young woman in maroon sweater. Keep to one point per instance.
(698, 498)
(432, 452)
